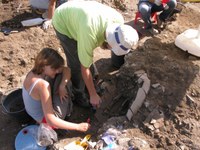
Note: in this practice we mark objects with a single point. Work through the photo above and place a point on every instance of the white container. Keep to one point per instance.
(32, 22)
(189, 41)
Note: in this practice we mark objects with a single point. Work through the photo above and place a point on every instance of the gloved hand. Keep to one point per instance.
(47, 24)
(158, 2)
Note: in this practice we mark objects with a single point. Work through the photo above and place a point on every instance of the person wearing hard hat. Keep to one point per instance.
(147, 7)
(81, 26)
(47, 7)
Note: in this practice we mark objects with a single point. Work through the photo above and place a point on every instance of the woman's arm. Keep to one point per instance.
(44, 91)
(66, 75)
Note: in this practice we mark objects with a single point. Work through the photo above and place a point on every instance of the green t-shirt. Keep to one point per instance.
(85, 22)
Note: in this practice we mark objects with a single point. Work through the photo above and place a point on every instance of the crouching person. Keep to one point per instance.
(164, 7)
(46, 92)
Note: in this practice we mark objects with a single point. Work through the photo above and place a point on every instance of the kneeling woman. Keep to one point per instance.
(46, 92)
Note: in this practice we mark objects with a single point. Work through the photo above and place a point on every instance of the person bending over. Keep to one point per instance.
(81, 26)
(48, 7)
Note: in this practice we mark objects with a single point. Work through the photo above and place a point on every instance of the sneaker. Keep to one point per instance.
(82, 101)
(153, 31)
(160, 23)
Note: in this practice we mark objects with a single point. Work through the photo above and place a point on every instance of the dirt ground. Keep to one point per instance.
(175, 99)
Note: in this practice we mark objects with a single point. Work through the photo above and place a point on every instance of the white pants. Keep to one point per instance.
(39, 4)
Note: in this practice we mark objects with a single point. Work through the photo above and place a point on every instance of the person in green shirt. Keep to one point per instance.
(81, 26)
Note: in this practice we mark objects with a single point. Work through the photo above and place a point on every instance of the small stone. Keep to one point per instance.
(153, 121)
(156, 125)
(151, 127)
(156, 85)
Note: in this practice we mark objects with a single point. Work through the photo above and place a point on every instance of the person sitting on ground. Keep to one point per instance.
(48, 7)
(81, 26)
(147, 7)
(46, 98)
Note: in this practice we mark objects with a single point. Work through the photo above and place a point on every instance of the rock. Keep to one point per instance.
(155, 85)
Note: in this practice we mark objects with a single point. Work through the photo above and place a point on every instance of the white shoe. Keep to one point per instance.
(153, 31)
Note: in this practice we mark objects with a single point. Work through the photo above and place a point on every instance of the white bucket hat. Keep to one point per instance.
(121, 38)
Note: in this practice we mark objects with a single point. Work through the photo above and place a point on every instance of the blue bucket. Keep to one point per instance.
(26, 139)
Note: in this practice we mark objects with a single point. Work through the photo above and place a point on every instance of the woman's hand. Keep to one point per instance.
(62, 91)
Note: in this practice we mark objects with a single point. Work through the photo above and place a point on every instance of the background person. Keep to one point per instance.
(48, 7)
(147, 7)
(81, 26)
(45, 95)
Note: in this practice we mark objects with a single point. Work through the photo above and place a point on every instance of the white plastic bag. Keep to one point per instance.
(46, 135)
(189, 41)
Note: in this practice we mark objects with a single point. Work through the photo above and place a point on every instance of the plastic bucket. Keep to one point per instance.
(13, 105)
(26, 139)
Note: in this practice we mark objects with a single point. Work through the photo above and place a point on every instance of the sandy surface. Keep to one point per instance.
(177, 73)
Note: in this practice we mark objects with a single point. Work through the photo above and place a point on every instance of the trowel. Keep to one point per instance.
(7, 31)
